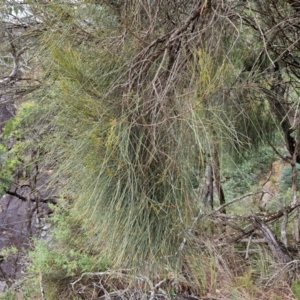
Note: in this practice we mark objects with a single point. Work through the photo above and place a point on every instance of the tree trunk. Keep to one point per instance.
(209, 187)
(217, 177)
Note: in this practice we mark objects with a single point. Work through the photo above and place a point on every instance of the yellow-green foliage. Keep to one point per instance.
(212, 74)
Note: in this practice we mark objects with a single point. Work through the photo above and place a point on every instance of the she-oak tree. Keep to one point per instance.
(143, 98)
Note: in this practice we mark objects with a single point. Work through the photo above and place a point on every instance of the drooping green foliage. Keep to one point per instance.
(128, 147)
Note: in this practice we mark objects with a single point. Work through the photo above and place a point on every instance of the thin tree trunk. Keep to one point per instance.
(209, 187)
(217, 177)
(294, 188)
(283, 228)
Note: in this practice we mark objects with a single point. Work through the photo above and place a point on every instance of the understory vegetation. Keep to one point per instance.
(171, 133)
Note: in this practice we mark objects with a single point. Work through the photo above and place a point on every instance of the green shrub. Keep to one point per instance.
(9, 295)
(64, 257)
(296, 289)
(11, 159)
(13, 125)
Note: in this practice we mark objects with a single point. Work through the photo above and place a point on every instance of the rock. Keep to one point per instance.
(19, 221)
(3, 286)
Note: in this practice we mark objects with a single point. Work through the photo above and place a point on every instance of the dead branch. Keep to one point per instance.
(268, 218)
(277, 248)
(221, 207)
(153, 289)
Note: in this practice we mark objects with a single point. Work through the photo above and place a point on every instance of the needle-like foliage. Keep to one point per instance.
(141, 99)
(132, 123)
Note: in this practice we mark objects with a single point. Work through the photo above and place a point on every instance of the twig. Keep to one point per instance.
(248, 246)
(43, 297)
(154, 288)
(254, 241)
(285, 266)
(231, 202)
(88, 274)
